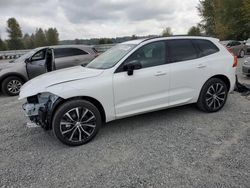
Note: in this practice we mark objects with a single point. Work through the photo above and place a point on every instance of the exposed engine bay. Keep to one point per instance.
(39, 107)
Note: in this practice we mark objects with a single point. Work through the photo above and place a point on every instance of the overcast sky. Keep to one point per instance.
(100, 18)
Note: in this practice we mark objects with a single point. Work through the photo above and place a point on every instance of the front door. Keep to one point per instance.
(36, 65)
(147, 88)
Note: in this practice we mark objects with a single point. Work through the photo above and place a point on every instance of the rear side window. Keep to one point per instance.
(67, 52)
(181, 50)
(205, 47)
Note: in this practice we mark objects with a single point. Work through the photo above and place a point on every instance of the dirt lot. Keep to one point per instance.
(180, 147)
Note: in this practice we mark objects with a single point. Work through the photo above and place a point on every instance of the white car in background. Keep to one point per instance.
(131, 78)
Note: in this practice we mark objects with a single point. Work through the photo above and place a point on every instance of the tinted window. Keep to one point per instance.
(237, 43)
(152, 54)
(66, 52)
(181, 50)
(205, 47)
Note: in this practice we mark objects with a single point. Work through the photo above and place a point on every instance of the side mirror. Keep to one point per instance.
(131, 66)
(28, 60)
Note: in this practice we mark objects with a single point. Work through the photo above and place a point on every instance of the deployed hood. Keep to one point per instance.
(40, 83)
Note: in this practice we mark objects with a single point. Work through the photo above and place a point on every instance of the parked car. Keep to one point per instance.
(248, 45)
(246, 67)
(33, 63)
(131, 78)
(238, 48)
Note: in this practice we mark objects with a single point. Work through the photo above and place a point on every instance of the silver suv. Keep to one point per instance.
(38, 61)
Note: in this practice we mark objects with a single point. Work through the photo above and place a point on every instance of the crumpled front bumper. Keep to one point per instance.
(36, 112)
(39, 108)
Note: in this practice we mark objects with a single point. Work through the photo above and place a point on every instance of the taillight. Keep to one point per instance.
(235, 61)
(230, 50)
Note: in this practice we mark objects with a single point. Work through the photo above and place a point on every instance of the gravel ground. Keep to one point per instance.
(179, 147)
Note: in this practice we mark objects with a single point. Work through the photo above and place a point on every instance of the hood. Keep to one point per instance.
(40, 83)
(7, 65)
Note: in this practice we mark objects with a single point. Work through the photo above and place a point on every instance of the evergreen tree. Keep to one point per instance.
(194, 31)
(52, 36)
(40, 38)
(15, 34)
(3, 46)
(26, 41)
(167, 32)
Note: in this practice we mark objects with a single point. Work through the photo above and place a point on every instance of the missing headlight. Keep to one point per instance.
(32, 99)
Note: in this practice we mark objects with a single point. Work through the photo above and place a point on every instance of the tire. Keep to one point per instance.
(76, 122)
(11, 85)
(213, 95)
(248, 75)
(241, 54)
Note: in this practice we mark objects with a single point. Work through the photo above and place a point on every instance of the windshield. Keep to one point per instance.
(111, 57)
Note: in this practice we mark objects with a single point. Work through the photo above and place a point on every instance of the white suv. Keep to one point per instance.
(131, 78)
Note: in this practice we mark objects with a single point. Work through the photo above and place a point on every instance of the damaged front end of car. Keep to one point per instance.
(39, 108)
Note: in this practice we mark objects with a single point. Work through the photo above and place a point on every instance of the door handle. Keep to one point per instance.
(200, 66)
(160, 73)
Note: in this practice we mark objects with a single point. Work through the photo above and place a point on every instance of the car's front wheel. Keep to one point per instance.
(213, 95)
(76, 122)
(11, 85)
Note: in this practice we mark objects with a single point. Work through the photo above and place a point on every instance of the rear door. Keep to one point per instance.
(188, 71)
(68, 57)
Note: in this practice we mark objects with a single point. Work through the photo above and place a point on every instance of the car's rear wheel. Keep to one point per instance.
(11, 85)
(242, 54)
(213, 95)
(76, 122)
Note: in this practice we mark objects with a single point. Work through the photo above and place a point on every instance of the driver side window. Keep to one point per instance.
(40, 55)
(150, 55)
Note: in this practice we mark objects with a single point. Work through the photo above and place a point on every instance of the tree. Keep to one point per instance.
(2, 45)
(194, 31)
(167, 32)
(246, 17)
(105, 41)
(207, 12)
(40, 38)
(225, 19)
(102, 41)
(109, 41)
(15, 34)
(26, 41)
(52, 36)
(77, 41)
(32, 41)
(134, 37)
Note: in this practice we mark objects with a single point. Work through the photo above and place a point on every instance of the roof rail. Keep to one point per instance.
(149, 38)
